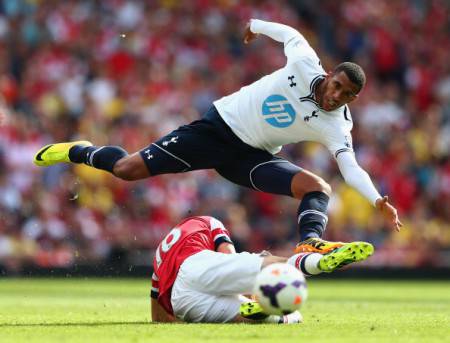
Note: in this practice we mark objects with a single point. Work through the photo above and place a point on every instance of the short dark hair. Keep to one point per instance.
(354, 73)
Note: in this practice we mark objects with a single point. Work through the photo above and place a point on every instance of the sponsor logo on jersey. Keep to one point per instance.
(277, 111)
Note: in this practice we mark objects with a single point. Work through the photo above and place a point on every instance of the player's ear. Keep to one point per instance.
(353, 98)
(329, 75)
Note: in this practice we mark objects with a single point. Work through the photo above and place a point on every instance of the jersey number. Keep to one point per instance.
(167, 243)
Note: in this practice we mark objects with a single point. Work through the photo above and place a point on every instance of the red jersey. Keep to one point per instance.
(189, 237)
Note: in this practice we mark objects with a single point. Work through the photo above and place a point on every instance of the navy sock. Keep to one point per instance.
(104, 157)
(312, 215)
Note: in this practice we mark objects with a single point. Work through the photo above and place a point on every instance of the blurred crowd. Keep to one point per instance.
(123, 72)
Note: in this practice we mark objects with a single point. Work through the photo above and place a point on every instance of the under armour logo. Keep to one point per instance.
(291, 78)
(172, 140)
(313, 115)
(148, 154)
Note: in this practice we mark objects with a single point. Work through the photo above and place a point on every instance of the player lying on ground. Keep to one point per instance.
(240, 134)
(199, 277)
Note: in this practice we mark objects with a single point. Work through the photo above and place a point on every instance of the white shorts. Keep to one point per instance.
(209, 285)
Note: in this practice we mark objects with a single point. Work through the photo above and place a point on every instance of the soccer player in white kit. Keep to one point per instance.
(241, 133)
(199, 277)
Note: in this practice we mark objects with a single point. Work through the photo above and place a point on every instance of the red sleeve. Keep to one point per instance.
(218, 232)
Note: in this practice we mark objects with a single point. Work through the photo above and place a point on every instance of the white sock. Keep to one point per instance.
(307, 263)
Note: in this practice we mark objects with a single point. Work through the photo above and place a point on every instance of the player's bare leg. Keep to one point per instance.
(305, 182)
(317, 263)
(267, 260)
(109, 158)
(131, 167)
(314, 193)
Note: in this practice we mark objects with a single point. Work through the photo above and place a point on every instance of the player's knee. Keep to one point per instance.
(310, 183)
(122, 169)
(319, 185)
(127, 169)
(324, 186)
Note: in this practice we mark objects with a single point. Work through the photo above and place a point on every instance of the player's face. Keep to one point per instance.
(338, 91)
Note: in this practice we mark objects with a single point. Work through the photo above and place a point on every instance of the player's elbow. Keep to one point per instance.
(292, 36)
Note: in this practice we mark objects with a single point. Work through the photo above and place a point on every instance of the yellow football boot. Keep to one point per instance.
(252, 310)
(346, 254)
(55, 153)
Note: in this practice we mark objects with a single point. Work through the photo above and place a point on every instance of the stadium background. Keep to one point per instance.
(126, 72)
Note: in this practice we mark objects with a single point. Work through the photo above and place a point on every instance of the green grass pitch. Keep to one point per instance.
(117, 310)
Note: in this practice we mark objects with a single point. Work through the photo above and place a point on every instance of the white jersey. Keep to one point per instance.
(280, 109)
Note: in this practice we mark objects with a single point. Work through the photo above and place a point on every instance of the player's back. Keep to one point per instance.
(189, 237)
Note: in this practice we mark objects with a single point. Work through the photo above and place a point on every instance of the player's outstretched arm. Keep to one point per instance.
(358, 178)
(279, 32)
(295, 44)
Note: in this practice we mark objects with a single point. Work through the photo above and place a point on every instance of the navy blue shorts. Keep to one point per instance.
(209, 143)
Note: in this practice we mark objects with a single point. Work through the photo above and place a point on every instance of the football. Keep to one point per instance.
(280, 289)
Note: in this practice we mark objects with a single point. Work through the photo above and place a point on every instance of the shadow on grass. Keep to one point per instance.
(94, 324)
(100, 324)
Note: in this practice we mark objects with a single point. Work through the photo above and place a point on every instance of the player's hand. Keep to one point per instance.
(248, 34)
(389, 212)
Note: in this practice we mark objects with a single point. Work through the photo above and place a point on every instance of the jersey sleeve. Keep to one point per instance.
(155, 287)
(357, 177)
(337, 136)
(298, 48)
(337, 142)
(219, 233)
(295, 44)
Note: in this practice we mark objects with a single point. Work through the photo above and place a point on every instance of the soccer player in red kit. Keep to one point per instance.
(199, 277)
